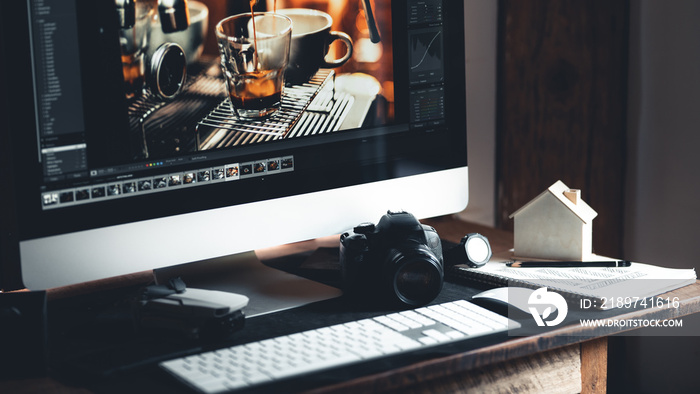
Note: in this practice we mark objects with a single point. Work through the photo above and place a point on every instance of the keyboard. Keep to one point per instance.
(252, 364)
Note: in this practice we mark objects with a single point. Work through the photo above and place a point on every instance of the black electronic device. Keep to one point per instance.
(101, 183)
(191, 313)
(398, 260)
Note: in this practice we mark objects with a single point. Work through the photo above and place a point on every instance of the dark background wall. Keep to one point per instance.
(605, 95)
(663, 175)
(561, 107)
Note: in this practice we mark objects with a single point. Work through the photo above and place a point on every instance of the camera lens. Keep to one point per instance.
(418, 276)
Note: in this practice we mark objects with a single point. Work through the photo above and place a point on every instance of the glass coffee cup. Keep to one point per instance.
(254, 54)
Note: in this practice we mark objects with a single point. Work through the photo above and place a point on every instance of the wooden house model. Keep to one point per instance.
(556, 225)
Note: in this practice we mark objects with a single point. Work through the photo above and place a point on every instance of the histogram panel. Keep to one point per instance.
(426, 53)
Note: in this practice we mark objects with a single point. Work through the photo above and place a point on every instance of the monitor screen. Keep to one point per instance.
(114, 167)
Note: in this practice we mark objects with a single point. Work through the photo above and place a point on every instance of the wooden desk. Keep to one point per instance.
(567, 359)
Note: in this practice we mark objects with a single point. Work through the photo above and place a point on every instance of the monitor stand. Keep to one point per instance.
(268, 289)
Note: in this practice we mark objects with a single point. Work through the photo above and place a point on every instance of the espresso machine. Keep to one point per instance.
(159, 71)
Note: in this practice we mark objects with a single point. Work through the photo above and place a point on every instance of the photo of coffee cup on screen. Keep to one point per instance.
(254, 55)
(280, 70)
(311, 40)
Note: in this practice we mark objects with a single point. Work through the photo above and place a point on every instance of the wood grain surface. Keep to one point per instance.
(561, 107)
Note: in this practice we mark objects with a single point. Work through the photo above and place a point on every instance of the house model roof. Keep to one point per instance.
(571, 198)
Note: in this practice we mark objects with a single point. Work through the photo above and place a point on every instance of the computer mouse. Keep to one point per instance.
(499, 299)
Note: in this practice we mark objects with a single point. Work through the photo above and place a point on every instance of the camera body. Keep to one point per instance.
(398, 261)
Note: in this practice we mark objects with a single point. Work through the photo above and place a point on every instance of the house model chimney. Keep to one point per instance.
(574, 195)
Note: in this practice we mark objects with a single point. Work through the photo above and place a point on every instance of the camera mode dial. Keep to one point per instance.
(364, 228)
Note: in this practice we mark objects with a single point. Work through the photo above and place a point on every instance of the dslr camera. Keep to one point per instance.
(397, 261)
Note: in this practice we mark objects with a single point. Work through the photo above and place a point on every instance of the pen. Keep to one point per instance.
(554, 264)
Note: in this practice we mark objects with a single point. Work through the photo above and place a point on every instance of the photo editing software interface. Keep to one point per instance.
(102, 136)
(205, 153)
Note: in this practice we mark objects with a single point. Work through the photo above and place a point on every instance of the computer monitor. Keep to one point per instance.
(101, 181)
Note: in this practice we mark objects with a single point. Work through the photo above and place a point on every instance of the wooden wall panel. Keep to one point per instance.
(561, 107)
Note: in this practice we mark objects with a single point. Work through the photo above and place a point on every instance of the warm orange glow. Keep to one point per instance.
(348, 16)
